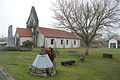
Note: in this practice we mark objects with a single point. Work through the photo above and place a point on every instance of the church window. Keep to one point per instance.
(61, 42)
(74, 42)
(52, 41)
(67, 42)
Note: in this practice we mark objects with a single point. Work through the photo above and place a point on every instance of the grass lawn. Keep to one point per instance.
(94, 68)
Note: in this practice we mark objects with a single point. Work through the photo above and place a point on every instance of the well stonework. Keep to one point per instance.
(42, 66)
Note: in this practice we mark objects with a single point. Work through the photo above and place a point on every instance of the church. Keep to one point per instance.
(41, 36)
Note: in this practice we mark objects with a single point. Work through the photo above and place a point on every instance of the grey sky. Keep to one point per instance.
(16, 13)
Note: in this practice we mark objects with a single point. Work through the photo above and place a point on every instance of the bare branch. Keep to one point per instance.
(87, 19)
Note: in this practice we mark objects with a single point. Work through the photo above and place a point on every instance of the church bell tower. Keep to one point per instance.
(32, 23)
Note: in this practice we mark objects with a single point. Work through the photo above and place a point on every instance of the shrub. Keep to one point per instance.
(15, 49)
(9, 49)
(27, 44)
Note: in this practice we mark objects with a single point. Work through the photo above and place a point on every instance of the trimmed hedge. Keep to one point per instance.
(15, 49)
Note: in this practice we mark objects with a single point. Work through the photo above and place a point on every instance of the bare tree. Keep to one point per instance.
(86, 18)
(113, 35)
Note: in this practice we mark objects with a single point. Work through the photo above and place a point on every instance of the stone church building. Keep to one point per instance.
(47, 37)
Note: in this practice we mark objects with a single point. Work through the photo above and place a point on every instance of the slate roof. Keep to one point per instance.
(47, 32)
(33, 11)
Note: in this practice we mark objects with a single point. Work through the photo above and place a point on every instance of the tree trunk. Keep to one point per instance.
(86, 50)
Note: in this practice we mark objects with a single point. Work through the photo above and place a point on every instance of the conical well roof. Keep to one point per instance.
(42, 61)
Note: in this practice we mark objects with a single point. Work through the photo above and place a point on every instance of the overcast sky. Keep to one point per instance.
(16, 13)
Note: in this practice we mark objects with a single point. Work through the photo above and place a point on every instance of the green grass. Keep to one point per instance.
(94, 68)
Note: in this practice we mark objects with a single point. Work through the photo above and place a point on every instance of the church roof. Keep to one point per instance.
(34, 14)
(48, 32)
(24, 32)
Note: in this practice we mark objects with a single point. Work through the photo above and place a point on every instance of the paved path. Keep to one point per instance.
(4, 75)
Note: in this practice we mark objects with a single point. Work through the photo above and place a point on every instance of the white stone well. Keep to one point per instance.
(43, 66)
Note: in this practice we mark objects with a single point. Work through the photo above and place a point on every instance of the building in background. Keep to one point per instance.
(97, 44)
(114, 43)
(47, 37)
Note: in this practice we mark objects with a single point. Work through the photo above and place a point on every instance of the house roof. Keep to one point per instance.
(24, 32)
(118, 39)
(97, 42)
(48, 32)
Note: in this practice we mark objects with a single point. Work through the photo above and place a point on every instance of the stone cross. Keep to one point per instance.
(10, 40)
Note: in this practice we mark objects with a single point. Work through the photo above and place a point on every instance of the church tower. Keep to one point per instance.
(32, 23)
